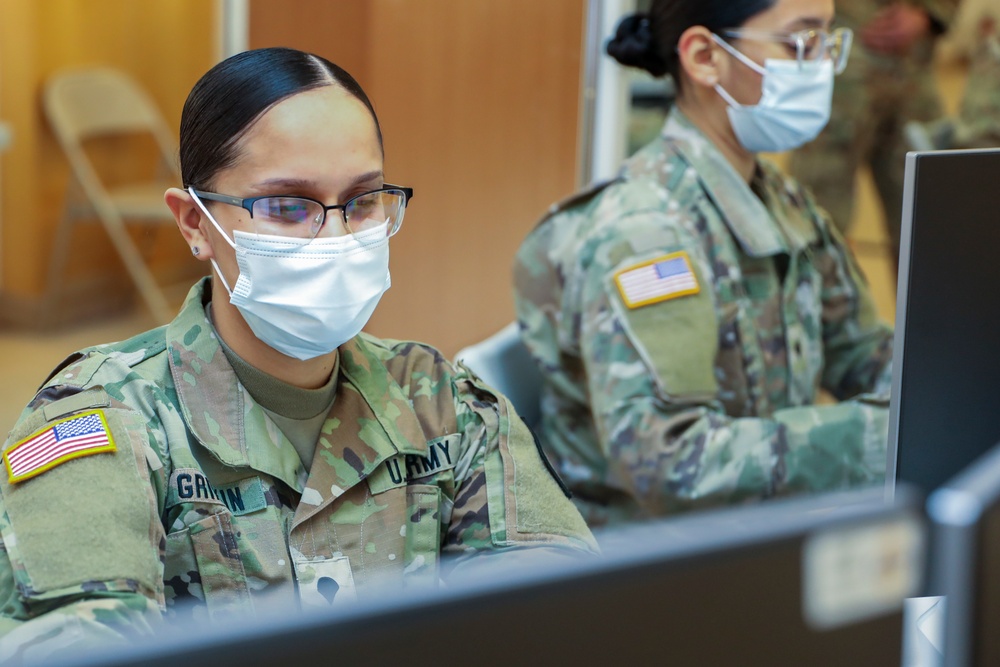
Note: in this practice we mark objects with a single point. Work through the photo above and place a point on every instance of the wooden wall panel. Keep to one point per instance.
(23, 214)
(337, 30)
(479, 103)
(166, 45)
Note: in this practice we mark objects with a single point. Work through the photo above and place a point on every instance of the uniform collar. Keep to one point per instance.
(371, 419)
(747, 215)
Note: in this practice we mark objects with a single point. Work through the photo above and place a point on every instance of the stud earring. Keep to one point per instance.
(195, 251)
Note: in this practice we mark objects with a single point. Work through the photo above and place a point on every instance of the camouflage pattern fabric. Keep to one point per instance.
(703, 398)
(206, 511)
(873, 100)
(978, 122)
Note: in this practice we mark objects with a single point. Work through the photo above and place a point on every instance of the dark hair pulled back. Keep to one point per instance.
(231, 96)
(649, 40)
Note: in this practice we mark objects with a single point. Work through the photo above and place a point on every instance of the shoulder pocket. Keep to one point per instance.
(676, 336)
(87, 522)
(526, 504)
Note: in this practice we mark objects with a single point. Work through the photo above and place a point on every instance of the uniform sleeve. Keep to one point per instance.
(80, 562)
(857, 345)
(660, 419)
(507, 496)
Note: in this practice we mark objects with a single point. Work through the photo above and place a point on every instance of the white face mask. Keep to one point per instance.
(307, 299)
(794, 105)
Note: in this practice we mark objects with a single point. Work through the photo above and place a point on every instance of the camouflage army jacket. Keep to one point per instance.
(203, 506)
(856, 14)
(685, 322)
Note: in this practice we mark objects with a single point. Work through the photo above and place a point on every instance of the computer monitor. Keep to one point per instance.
(965, 562)
(945, 406)
(815, 581)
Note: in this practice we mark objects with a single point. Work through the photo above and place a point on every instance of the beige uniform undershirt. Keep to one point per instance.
(299, 413)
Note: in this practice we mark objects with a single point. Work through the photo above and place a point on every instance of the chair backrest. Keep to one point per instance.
(505, 364)
(94, 102)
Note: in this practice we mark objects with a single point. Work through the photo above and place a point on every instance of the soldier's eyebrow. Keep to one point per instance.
(369, 177)
(307, 183)
(285, 183)
(302, 185)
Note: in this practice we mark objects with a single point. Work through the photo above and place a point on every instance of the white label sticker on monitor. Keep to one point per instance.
(858, 572)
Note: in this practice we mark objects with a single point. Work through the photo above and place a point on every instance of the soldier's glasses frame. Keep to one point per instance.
(807, 45)
(303, 217)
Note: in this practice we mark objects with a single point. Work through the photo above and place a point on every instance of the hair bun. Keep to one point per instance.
(634, 45)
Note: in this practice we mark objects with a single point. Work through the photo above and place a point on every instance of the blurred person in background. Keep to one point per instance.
(977, 123)
(890, 82)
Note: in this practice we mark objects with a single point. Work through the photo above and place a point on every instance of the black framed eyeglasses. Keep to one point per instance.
(302, 217)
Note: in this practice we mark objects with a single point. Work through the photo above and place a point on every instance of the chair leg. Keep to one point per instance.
(60, 250)
(134, 264)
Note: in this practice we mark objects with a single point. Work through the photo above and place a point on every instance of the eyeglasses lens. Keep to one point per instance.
(840, 48)
(303, 218)
(812, 45)
(815, 45)
(370, 210)
(287, 216)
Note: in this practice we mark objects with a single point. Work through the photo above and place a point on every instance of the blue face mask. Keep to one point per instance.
(794, 105)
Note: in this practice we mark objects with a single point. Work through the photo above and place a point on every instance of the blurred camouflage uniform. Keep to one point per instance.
(873, 100)
(206, 509)
(978, 122)
(701, 398)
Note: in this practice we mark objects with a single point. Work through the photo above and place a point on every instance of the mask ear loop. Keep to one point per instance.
(730, 100)
(218, 271)
(735, 53)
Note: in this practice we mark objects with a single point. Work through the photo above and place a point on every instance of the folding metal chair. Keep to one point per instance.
(101, 102)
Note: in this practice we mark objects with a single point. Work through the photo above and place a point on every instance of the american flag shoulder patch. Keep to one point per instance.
(81, 435)
(666, 277)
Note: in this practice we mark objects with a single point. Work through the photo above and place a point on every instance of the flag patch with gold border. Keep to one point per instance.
(666, 277)
(81, 435)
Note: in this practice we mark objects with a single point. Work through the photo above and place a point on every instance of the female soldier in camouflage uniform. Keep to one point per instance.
(686, 315)
(259, 449)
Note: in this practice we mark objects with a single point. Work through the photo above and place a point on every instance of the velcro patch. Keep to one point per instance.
(660, 279)
(67, 439)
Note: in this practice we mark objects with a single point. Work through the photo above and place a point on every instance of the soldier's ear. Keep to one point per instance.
(699, 57)
(190, 220)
